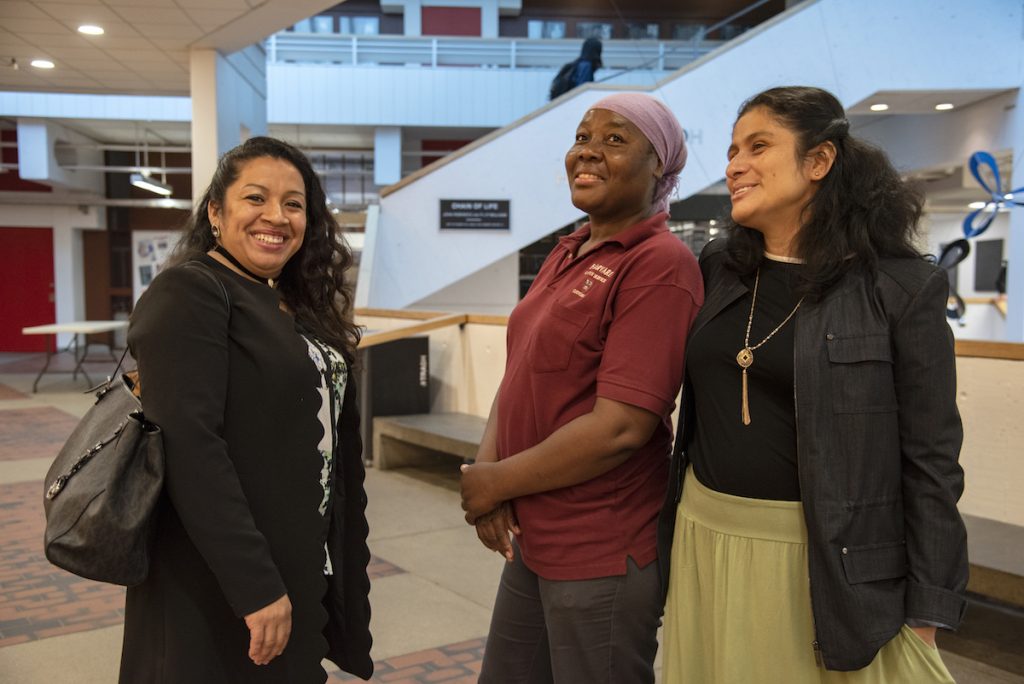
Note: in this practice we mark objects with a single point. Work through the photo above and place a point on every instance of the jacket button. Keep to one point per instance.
(830, 337)
(845, 551)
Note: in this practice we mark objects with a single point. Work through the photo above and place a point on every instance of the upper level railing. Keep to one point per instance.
(500, 53)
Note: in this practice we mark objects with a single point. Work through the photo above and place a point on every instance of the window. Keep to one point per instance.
(687, 31)
(536, 28)
(593, 29)
(323, 23)
(637, 31)
(366, 26)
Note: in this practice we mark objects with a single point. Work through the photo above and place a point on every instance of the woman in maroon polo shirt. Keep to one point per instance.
(572, 468)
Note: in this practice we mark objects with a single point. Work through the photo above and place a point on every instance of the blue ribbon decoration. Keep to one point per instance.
(998, 199)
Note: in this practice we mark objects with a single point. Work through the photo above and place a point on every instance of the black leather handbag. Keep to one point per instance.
(103, 487)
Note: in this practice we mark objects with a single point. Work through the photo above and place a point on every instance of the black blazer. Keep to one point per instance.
(229, 380)
(878, 442)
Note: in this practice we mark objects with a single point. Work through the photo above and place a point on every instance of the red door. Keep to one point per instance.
(26, 287)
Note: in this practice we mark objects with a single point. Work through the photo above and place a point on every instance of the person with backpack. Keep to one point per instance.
(579, 71)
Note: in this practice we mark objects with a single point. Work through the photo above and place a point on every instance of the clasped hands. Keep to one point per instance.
(485, 509)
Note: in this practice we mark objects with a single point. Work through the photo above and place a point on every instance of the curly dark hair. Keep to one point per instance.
(861, 209)
(312, 283)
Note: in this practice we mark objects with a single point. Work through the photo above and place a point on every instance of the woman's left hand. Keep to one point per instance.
(927, 635)
(479, 490)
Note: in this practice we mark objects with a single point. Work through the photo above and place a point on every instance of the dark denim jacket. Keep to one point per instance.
(878, 440)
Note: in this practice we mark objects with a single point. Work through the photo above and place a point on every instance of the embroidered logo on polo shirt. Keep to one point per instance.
(595, 274)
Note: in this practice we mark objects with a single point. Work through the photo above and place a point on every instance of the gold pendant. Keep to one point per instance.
(745, 358)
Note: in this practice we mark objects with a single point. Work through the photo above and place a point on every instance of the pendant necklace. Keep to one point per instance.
(745, 356)
(219, 248)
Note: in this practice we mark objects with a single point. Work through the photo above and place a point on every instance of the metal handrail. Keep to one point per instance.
(501, 53)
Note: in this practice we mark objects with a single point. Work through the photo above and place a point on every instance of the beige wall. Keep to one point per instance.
(990, 395)
(467, 363)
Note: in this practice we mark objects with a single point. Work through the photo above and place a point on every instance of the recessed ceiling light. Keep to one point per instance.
(91, 30)
(976, 205)
(879, 107)
(41, 63)
(944, 106)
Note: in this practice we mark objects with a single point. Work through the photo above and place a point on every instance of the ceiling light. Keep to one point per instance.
(91, 30)
(879, 107)
(153, 185)
(944, 106)
(42, 63)
(976, 205)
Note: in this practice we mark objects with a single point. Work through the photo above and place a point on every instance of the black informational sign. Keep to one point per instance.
(474, 215)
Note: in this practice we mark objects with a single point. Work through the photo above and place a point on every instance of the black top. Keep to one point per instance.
(232, 385)
(757, 460)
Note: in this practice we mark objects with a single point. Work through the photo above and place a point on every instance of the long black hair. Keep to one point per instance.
(862, 210)
(312, 283)
(591, 52)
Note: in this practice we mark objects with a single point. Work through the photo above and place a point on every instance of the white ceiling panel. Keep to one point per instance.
(210, 19)
(239, 5)
(130, 56)
(19, 9)
(46, 40)
(184, 33)
(68, 13)
(78, 54)
(153, 15)
(25, 25)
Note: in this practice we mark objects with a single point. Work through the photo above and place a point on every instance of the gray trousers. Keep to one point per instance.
(598, 631)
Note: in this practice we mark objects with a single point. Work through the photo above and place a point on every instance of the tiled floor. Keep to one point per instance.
(432, 583)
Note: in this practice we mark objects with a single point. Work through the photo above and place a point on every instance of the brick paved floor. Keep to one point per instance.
(453, 664)
(10, 393)
(33, 432)
(38, 600)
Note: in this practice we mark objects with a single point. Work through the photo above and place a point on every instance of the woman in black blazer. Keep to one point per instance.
(244, 347)
(812, 512)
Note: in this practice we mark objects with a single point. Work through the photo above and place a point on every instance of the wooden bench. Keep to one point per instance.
(415, 439)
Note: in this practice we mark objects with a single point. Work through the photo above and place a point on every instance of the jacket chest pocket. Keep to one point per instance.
(556, 337)
(862, 373)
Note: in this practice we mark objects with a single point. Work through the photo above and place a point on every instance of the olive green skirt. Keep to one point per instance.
(739, 601)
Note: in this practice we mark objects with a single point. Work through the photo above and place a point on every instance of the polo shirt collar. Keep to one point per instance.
(633, 235)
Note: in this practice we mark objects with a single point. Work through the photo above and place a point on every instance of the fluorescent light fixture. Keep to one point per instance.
(879, 107)
(976, 205)
(91, 30)
(943, 106)
(153, 185)
(41, 63)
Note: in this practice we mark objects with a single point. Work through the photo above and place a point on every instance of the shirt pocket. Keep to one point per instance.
(862, 373)
(556, 338)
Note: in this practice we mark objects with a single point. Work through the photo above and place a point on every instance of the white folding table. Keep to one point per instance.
(80, 330)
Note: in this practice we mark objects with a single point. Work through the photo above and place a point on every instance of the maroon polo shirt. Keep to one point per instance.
(611, 323)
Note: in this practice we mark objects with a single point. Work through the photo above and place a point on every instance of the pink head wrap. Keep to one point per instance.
(661, 128)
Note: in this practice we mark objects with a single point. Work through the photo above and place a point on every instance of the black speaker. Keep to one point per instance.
(394, 381)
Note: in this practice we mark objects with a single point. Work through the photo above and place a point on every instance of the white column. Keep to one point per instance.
(412, 21)
(229, 103)
(489, 19)
(387, 155)
(1015, 248)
